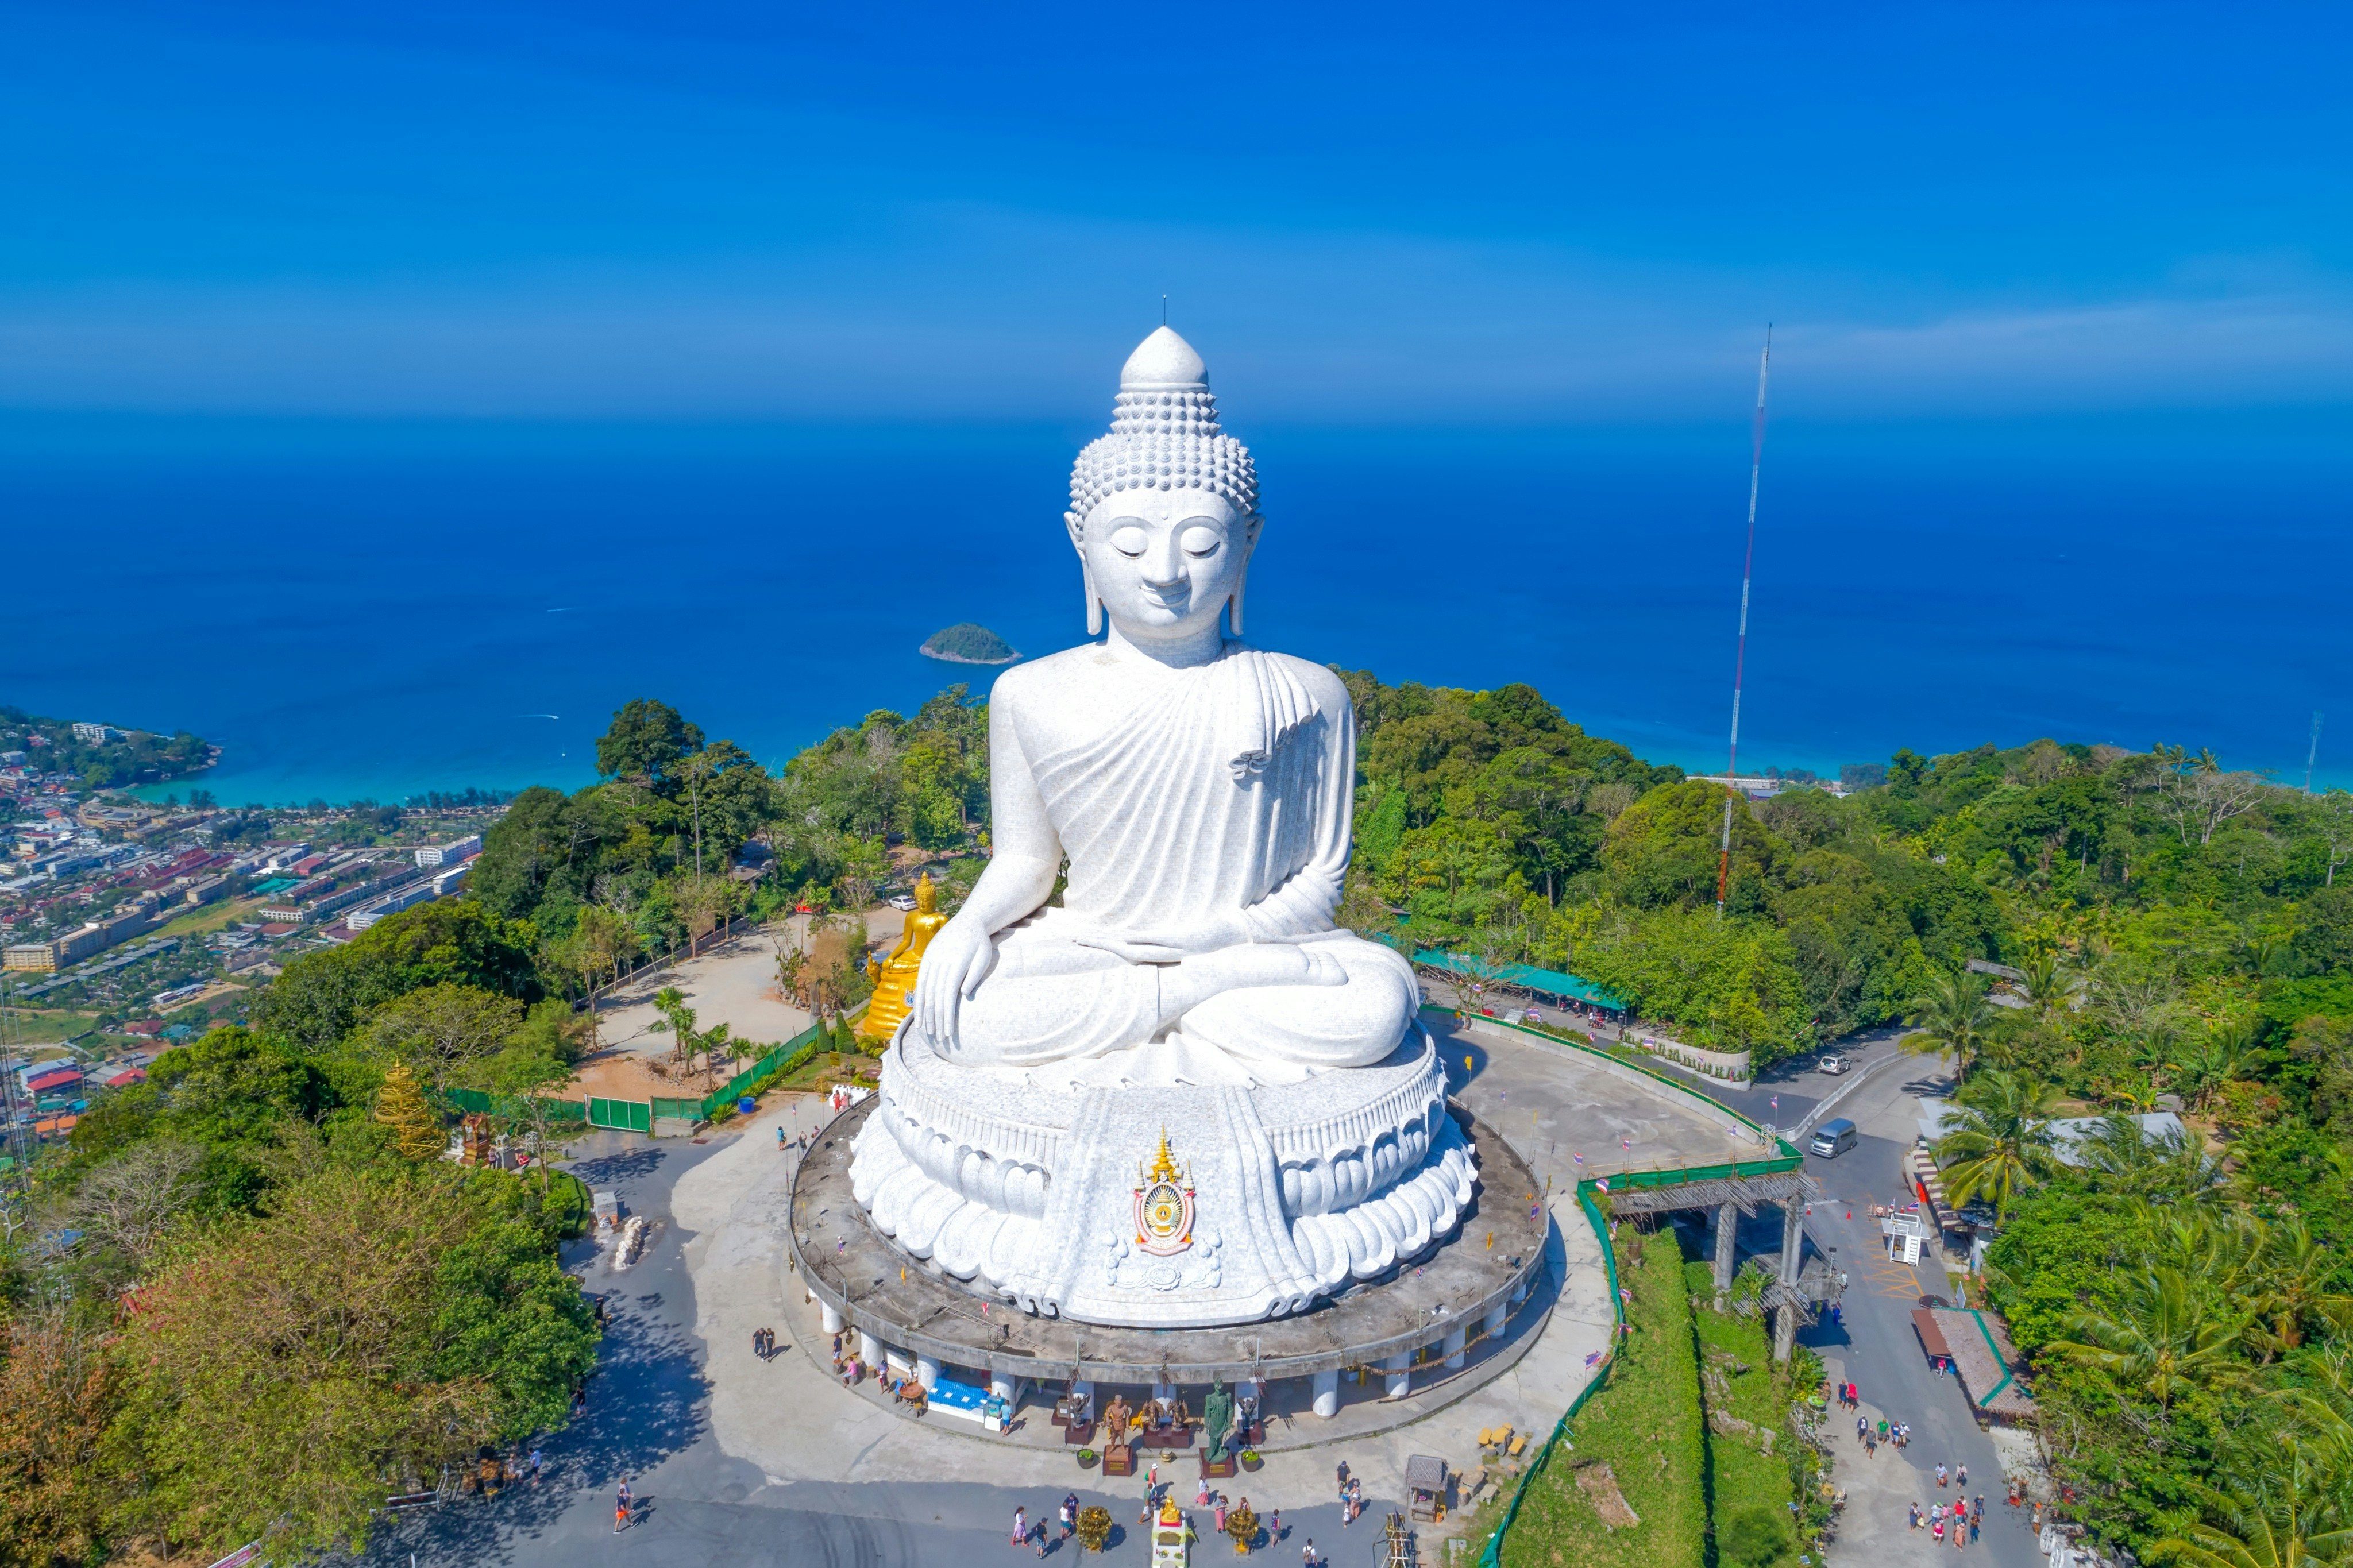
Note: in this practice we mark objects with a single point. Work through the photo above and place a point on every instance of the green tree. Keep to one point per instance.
(1953, 1015)
(2287, 1510)
(1665, 850)
(1998, 1144)
(645, 742)
(442, 1030)
(2163, 1334)
(376, 1325)
(321, 997)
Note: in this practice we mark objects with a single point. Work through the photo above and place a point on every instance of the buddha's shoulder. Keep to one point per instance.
(1035, 678)
(1328, 690)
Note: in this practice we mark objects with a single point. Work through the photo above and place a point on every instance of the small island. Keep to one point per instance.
(965, 643)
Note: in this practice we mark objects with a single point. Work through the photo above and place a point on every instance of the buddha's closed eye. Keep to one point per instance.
(1198, 541)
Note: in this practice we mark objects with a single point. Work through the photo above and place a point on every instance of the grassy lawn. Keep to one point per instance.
(1738, 1381)
(47, 1026)
(1645, 1423)
(825, 1068)
(209, 917)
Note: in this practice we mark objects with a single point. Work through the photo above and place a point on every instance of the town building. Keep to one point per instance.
(449, 854)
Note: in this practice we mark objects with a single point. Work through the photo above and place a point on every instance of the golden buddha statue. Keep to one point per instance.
(894, 976)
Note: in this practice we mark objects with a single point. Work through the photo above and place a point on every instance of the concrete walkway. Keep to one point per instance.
(752, 1462)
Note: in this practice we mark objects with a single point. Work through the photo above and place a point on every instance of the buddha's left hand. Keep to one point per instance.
(1171, 944)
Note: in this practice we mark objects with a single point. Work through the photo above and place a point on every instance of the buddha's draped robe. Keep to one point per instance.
(1226, 791)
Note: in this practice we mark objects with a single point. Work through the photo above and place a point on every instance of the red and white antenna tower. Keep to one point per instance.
(1740, 654)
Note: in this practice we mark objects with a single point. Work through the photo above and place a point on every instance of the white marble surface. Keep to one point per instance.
(1195, 795)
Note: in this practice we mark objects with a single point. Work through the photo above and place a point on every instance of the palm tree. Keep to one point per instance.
(2295, 1279)
(2049, 985)
(1953, 1015)
(2169, 1163)
(2163, 1335)
(1999, 1140)
(2288, 1514)
(2222, 1053)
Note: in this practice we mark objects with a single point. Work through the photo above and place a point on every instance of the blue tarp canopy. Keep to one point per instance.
(1527, 978)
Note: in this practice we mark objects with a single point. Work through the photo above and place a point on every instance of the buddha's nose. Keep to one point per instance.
(1164, 566)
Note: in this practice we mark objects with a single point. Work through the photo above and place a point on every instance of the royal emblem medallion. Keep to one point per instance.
(1163, 1205)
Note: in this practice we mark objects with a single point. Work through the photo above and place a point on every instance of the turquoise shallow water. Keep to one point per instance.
(374, 610)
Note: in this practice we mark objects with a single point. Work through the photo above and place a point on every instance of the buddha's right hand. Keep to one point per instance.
(958, 959)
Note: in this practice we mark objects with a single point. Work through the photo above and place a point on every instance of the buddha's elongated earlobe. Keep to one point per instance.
(1241, 578)
(1078, 527)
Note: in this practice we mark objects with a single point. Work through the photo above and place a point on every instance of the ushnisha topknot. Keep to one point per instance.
(1164, 435)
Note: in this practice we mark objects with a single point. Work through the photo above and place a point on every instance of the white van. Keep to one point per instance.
(1834, 1138)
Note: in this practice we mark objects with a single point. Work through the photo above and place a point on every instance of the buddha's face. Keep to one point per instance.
(1163, 562)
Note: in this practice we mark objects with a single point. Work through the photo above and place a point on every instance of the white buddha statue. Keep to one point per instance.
(1189, 994)
(1200, 790)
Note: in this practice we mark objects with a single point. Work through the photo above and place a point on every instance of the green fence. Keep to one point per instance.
(1493, 1557)
(621, 1115)
(640, 1115)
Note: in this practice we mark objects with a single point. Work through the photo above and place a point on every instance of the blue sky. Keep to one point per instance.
(1363, 214)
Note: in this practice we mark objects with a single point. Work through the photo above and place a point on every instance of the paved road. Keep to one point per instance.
(1876, 1349)
(648, 1418)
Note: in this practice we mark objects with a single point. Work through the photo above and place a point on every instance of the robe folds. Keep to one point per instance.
(1225, 793)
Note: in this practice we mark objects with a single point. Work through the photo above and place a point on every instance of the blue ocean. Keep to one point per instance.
(377, 609)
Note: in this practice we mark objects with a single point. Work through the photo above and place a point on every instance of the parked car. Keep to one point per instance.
(1834, 1138)
(1835, 1065)
(901, 900)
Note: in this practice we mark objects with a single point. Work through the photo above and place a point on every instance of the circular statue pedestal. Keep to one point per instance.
(1430, 1307)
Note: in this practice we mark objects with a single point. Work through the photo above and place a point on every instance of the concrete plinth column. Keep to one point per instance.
(1400, 1375)
(1452, 1345)
(1727, 1244)
(927, 1372)
(1793, 1240)
(1327, 1394)
(829, 1319)
(1785, 1331)
(1006, 1388)
(869, 1347)
(1497, 1316)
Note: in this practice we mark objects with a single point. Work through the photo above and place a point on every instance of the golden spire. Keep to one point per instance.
(1164, 1164)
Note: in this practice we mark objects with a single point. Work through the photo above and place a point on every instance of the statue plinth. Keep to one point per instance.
(1287, 1192)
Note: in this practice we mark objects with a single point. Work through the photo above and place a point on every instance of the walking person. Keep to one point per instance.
(1307, 1553)
(1941, 1475)
(537, 1461)
(1273, 1525)
(1020, 1527)
(1962, 1477)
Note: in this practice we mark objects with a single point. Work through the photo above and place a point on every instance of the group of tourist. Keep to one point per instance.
(764, 1344)
(1352, 1496)
(1870, 1436)
(1066, 1517)
(1958, 1521)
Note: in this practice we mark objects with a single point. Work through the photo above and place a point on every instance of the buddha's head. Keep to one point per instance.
(1164, 510)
